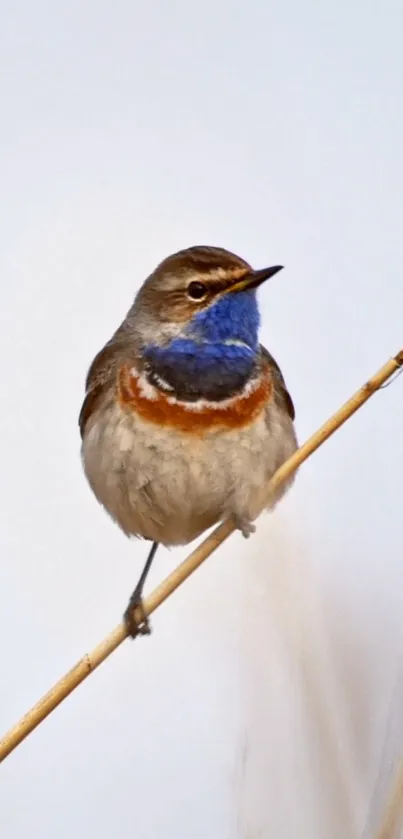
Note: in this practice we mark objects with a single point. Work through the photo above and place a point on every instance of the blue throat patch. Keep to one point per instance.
(235, 317)
(218, 355)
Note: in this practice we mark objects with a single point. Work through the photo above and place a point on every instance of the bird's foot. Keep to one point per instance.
(135, 618)
(244, 525)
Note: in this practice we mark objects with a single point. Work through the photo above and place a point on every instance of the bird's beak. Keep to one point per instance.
(255, 278)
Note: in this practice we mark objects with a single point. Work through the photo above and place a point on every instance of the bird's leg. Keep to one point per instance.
(139, 626)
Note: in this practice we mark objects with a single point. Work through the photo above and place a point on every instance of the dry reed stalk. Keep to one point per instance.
(92, 660)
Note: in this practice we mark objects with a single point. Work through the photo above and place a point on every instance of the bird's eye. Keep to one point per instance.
(196, 291)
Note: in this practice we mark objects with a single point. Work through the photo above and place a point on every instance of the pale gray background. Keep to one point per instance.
(261, 704)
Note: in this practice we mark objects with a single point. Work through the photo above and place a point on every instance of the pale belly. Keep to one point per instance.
(170, 486)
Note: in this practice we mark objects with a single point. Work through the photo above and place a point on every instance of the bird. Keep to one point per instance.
(186, 416)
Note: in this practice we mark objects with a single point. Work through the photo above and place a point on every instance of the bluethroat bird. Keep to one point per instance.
(186, 416)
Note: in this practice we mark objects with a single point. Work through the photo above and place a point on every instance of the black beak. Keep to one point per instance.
(259, 277)
(255, 278)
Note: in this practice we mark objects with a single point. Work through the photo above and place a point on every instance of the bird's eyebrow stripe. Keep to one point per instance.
(219, 278)
(228, 273)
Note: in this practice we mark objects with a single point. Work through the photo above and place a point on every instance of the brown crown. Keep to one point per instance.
(202, 259)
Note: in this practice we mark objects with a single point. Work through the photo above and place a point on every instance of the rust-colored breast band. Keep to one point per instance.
(239, 412)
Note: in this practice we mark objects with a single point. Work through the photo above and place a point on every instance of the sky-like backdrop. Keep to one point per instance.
(267, 702)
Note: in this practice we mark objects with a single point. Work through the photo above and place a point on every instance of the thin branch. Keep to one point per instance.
(92, 660)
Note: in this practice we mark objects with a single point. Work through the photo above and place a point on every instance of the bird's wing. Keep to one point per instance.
(91, 401)
(280, 389)
(100, 377)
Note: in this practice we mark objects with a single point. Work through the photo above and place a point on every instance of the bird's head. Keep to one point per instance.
(202, 293)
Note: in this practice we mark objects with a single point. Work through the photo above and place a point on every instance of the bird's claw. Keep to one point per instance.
(245, 526)
(135, 618)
